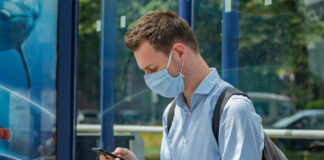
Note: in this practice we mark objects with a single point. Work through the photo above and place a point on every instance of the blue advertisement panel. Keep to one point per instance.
(28, 47)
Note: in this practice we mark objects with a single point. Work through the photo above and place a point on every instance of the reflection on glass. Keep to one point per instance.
(271, 107)
(281, 47)
(279, 52)
(28, 79)
(134, 103)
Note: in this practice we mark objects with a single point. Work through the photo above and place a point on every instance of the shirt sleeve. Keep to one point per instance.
(240, 132)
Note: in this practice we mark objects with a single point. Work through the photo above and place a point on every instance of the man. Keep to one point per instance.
(167, 51)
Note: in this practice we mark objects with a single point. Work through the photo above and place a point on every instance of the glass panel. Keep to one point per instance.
(295, 148)
(135, 103)
(89, 63)
(280, 50)
(208, 19)
(28, 79)
(88, 75)
(130, 87)
(262, 108)
(319, 122)
(280, 54)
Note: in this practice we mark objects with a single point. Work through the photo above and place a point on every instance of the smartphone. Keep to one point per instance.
(109, 155)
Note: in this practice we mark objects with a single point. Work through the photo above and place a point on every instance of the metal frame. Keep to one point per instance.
(273, 133)
(230, 42)
(187, 11)
(107, 74)
(66, 78)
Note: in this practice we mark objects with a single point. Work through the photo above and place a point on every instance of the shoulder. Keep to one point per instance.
(239, 111)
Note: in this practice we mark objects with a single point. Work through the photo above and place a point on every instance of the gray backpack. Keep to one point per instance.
(270, 150)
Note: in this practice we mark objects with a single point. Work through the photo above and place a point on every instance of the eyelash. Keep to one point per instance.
(153, 70)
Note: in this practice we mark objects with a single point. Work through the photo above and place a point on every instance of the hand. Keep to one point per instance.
(120, 152)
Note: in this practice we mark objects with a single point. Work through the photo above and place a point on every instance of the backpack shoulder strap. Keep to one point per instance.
(270, 150)
(220, 105)
(171, 114)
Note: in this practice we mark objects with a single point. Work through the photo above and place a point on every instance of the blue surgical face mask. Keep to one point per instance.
(163, 83)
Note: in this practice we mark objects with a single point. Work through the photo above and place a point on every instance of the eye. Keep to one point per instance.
(153, 69)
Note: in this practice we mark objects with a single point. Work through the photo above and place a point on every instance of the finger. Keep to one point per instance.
(120, 151)
(103, 157)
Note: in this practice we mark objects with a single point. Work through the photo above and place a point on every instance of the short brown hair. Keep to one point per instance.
(160, 28)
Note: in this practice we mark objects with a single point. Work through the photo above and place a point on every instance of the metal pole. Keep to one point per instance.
(273, 133)
(107, 74)
(66, 78)
(186, 11)
(230, 41)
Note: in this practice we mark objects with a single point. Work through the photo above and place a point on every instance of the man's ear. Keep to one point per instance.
(179, 51)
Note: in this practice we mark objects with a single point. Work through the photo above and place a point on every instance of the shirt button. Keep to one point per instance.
(184, 141)
(189, 113)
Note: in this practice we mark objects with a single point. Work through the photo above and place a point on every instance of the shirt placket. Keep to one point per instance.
(183, 141)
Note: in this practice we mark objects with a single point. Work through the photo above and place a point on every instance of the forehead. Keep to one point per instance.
(147, 55)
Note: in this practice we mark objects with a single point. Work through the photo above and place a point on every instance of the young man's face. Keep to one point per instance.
(149, 60)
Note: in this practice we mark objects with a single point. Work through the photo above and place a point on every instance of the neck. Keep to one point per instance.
(198, 70)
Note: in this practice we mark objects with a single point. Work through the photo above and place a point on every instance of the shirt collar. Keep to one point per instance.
(205, 86)
(208, 83)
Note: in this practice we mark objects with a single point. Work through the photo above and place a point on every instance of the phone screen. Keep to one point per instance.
(109, 155)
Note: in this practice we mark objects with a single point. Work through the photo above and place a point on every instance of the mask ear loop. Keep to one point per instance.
(169, 59)
(170, 62)
(181, 69)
